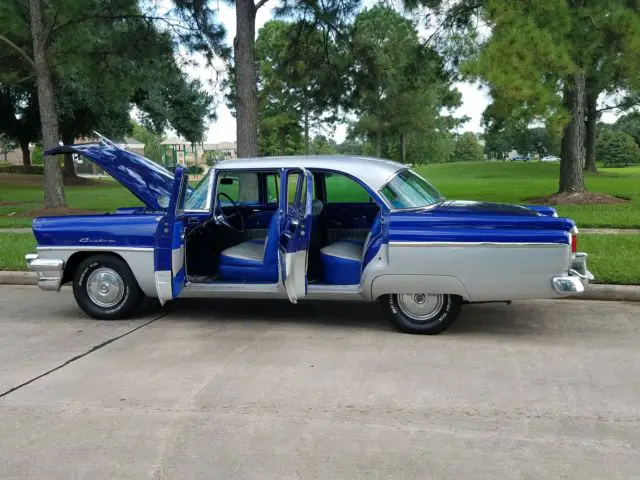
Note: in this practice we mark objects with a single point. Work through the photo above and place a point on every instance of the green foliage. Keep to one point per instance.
(7, 144)
(19, 116)
(321, 145)
(467, 148)
(105, 57)
(400, 89)
(299, 83)
(37, 155)
(152, 147)
(617, 149)
(630, 124)
(32, 170)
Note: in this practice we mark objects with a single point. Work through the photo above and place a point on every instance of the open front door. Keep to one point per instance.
(296, 200)
(170, 273)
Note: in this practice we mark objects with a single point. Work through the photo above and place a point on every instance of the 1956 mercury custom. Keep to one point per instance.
(324, 228)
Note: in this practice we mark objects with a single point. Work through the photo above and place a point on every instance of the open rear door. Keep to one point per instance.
(296, 200)
(170, 273)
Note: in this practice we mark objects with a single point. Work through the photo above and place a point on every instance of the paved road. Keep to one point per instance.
(266, 390)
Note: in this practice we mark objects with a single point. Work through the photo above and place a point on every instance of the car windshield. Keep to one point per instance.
(409, 190)
(197, 198)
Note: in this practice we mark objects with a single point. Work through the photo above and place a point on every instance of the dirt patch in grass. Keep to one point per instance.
(56, 212)
(585, 198)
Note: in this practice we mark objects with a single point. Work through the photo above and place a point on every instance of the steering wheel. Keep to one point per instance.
(225, 219)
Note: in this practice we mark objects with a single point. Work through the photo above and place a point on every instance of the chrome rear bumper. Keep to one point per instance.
(49, 271)
(576, 279)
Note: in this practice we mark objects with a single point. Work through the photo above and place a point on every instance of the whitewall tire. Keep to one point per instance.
(421, 313)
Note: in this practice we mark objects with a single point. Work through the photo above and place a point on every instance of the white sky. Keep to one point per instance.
(474, 99)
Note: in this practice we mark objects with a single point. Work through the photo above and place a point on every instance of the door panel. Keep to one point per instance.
(170, 273)
(349, 219)
(296, 200)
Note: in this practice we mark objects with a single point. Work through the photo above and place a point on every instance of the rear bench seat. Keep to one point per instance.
(342, 260)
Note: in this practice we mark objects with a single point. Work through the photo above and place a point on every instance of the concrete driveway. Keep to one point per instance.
(268, 390)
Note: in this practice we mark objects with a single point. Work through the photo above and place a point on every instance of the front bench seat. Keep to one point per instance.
(342, 260)
(252, 261)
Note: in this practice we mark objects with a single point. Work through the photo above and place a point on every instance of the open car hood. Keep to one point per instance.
(147, 180)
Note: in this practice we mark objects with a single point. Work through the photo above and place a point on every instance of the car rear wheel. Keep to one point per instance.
(421, 313)
(105, 288)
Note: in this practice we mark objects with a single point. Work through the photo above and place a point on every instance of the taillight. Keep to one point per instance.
(574, 239)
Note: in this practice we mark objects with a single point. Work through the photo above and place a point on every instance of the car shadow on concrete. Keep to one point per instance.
(487, 319)
(329, 314)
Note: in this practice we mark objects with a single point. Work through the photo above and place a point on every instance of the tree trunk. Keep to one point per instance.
(69, 166)
(591, 132)
(246, 79)
(306, 127)
(403, 149)
(573, 139)
(53, 188)
(26, 156)
(378, 144)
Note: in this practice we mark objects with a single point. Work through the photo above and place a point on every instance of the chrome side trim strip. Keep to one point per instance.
(478, 244)
(81, 248)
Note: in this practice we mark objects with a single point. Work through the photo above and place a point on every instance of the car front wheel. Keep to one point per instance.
(421, 313)
(105, 288)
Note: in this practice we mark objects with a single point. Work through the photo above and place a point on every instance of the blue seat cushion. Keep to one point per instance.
(341, 262)
(249, 274)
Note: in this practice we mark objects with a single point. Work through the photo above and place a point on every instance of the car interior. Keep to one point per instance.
(243, 248)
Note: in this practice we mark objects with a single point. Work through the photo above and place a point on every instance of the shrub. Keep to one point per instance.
(195, 170)
(467, 149)
(617, 149)
(37, 156)
(9, 168)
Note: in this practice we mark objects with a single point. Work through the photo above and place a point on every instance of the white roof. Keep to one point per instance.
(375, 172)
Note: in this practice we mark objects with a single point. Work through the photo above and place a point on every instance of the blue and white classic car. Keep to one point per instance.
(317, 227)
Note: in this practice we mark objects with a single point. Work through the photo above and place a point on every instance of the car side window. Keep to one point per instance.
(241, 187)
(342, 189)
(273, 180)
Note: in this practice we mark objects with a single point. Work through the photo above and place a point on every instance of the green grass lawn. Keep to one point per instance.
(514, 182)
(13, 248)
(612, 258)
(511, 182)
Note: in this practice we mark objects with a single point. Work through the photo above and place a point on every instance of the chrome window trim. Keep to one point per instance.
(211, 172)
(477, 244)
(81, 248)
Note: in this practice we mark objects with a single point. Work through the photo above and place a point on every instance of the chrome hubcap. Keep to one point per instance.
(420, 307)
(105, 287)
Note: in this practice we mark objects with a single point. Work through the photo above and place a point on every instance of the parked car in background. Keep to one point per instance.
(550, 158)
(312, 227)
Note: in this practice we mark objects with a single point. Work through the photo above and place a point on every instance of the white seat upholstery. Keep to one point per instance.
(346, 250)
(250, 250)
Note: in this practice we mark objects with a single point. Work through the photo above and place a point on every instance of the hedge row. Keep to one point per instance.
(10, 168)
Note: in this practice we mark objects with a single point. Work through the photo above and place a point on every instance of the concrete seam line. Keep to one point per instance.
(82, 355)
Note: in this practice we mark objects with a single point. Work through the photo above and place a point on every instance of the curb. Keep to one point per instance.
(18, 278)
(611, 293)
